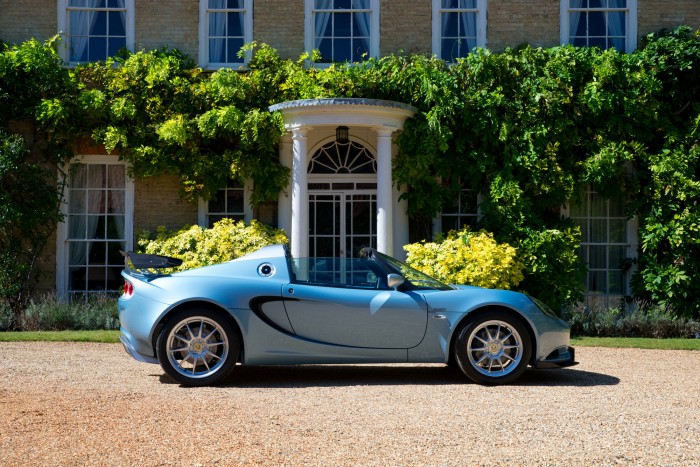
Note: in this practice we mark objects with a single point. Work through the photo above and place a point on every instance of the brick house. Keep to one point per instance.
(104, 207)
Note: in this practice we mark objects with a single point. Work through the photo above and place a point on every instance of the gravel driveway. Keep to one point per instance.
(73, 403)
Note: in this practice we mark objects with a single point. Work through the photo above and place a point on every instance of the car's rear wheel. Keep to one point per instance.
(493, 348)
(198, 347)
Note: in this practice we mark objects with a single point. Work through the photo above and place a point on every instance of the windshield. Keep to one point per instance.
(415, 277)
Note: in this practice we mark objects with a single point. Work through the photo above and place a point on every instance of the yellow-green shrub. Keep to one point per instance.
(197, 246)
(465, 257)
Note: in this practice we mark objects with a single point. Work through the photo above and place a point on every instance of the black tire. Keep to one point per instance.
(198, 347)
(493, 348)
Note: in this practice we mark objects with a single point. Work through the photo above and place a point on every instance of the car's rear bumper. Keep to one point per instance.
(132, 351)
(561, 357)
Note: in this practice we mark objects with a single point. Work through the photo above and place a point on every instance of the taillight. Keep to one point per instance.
(128, 288)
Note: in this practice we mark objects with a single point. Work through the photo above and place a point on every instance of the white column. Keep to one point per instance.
(385, 226)
(284, 199)
(401, 225)
(300, 208)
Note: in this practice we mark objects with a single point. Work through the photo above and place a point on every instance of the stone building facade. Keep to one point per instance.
(104, 207)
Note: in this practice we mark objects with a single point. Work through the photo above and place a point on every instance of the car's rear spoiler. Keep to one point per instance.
(147, 264)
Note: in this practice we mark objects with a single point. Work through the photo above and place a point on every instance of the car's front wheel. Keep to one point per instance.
(493, 348)
(198, 347)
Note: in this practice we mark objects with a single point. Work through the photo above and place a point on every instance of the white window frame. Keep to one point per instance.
(62, 241)
(204, 11)
(203, 206)
(309, 30)
(630, 22)
(480, 10)
(64, 45)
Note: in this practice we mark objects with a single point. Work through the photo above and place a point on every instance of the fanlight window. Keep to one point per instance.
(343, 158)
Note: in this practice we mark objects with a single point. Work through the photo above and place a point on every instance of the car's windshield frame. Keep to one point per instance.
(416, 279)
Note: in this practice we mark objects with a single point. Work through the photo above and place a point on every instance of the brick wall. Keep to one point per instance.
(280, 23)
(174, 23)
(511, 23)
(21, 20)
(655, 15)
(405, 25)
(157, 202)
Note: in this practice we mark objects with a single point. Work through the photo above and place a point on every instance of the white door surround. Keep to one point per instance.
(313, 120)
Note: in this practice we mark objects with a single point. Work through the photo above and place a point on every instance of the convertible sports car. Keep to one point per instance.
(267, 308)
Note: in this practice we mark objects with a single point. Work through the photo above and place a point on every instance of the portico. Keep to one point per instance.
(341, 196)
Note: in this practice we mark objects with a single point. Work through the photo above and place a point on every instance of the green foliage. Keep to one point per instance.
(28, 214)
(527, 128)
(645, 320)
(48, 313)
(198, 246)
(671, 232)
(553, 270)
(30, 73)
(165, 116)
(468, 258)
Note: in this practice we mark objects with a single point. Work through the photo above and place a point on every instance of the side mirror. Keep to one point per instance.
(394, 281)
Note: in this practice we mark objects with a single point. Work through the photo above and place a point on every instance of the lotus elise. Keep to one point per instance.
(267, 308)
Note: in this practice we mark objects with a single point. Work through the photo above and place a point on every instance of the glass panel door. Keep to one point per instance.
(341, 223)
(360, 222)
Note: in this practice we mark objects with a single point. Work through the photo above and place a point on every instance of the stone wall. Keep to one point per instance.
(511, 23)
(280, 24)
(157, 202)
(21, 20)
(172, 23)
(405, 25)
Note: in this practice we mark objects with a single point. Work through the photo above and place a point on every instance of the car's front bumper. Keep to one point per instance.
(561, 357)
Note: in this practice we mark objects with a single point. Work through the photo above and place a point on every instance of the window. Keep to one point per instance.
(605, 247)
(229, 203)
(339, 157)
(98, 224)
(458, 27)
(343, 30)
(600, 23)
(95, 29)
(225, 26)
(463, 211)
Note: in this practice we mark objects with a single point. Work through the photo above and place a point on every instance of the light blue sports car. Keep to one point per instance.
(267, 308)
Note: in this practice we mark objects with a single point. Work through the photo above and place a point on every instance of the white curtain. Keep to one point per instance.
(321, 20)
(83, 226)
(616, 25)
(468, 33)
(116, 206)
(217, 29)
(80, 23)
(574, 19)
(364, 23)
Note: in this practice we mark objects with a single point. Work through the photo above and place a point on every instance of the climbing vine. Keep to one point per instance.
(528, 128)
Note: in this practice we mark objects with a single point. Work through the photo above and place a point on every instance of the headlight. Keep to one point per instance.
(543, 307)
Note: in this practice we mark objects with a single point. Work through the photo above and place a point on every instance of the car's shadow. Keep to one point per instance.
(381, 375)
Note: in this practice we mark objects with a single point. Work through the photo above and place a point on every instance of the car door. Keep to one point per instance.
(385, 319)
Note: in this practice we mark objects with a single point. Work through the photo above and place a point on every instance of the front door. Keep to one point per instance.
(342, 222)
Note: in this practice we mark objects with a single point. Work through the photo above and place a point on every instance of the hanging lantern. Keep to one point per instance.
(342, 134)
